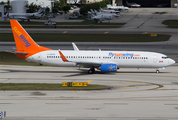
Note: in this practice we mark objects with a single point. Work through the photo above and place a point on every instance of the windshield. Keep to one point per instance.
(164, 57)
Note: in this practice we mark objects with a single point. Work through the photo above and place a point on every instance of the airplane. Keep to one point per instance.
(100, 16)
(24, 16)
(120, 8)
(108, 11)
(105, 12)
(105, 61)
(132, 4)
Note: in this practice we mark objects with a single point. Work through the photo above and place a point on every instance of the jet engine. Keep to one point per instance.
(108, 68)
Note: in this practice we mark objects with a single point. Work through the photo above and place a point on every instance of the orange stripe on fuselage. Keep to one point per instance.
(24, 42)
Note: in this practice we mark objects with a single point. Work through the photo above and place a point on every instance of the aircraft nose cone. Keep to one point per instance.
(172, 61)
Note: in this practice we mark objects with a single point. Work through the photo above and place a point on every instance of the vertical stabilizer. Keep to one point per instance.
(24, 42)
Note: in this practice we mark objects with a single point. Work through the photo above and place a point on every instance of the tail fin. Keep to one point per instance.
(40, 10)
(24, 43)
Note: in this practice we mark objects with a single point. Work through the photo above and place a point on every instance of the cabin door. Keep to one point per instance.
(154, 59)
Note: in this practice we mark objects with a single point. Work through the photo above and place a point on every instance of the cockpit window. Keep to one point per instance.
(164, 57)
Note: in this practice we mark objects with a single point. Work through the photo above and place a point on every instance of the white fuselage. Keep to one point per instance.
(133, 59)
(23, 15)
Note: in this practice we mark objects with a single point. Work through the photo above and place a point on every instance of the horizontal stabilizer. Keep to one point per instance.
(24, 53)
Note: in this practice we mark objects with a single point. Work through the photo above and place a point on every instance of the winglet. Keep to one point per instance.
(75, 47)
(62, 57)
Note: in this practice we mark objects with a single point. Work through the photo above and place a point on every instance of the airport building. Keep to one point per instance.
(2, 9)
(149, 3)
(18, 6)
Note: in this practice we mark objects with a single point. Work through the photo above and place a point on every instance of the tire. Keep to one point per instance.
(90, 71)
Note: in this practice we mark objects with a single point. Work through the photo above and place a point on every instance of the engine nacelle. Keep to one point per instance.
(108, 68)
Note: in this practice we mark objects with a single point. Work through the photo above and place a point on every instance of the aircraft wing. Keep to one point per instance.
(24, 53)
(91, 64)
(83, 64)
(87, 64)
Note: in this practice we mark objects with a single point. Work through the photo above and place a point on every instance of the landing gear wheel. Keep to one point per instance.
(91, 71)
(157, 71)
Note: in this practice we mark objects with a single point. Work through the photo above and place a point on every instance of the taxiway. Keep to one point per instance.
(135, 95)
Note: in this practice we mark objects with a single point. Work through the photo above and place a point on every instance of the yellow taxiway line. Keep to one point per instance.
(89, 81)
(64, 32)
(106, 32)
(73, 91)
(144, 32)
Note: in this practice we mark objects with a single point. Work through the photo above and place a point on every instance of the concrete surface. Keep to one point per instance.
(135, 95)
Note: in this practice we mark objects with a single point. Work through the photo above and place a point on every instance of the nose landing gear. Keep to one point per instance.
(91, 70)
(157, 71)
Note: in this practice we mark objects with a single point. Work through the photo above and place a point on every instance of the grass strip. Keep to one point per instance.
(44, 86)
(171, 23)
(50, 37)
(7, 58)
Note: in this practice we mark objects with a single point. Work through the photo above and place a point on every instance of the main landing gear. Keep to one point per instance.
(91, 70)
(157, 71)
